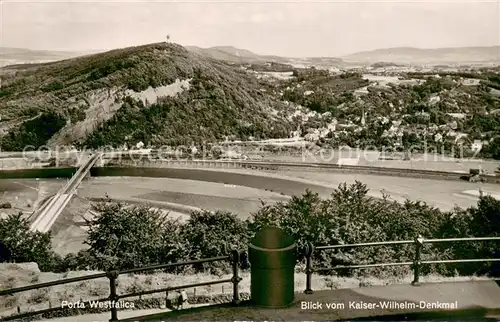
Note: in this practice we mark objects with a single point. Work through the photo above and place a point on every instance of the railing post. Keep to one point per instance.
(419, 243)
(113, 297)
(309, 267)
(235, 261)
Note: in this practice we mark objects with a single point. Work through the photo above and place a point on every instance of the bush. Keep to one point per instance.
(123, 237)
(341, 219)
(20, 244)
(480, 221)
(212, 234)
(493, 148)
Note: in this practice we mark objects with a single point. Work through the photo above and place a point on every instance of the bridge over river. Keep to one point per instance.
(44, 217)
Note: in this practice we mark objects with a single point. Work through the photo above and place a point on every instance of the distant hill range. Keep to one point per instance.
(409, 55)
(242, 56)
(388, 56)
(13, 56)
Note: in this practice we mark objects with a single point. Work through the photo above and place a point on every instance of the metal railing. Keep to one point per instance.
(416, 264)
(114, 297)
(235, 257)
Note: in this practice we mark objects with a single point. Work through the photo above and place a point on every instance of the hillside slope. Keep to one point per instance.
(438, 55)
(159, 93)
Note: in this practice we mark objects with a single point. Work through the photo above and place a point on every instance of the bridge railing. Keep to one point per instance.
(416, 264)
(114, 297)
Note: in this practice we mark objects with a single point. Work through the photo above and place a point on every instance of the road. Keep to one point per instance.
(48, 213)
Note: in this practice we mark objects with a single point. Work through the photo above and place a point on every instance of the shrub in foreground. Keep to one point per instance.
(20, 244)
(123, 237)
(212, 234)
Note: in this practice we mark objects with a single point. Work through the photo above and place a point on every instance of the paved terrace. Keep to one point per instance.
(474, 300)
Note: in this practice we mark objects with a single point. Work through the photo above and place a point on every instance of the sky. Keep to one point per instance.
(287, 28)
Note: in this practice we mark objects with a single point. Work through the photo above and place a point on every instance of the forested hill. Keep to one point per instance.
(159, 93)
